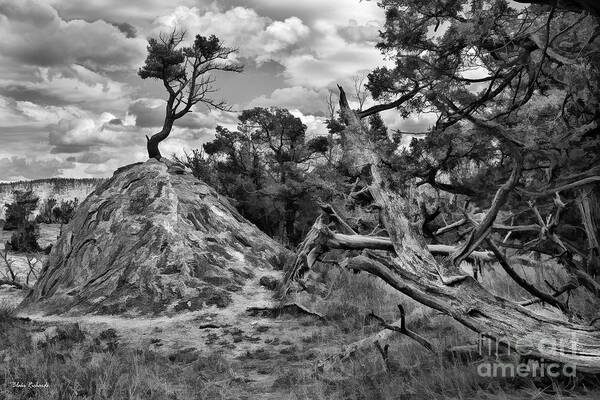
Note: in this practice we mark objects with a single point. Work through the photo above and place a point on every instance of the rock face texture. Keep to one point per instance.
(153, 239)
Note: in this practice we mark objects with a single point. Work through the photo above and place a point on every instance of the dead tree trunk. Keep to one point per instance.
(589, 207)
(442, 286)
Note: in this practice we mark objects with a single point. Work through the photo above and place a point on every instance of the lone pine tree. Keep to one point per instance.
(186, 73)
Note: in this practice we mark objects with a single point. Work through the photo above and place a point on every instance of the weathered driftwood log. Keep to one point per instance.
(416, 273)
(321, 239)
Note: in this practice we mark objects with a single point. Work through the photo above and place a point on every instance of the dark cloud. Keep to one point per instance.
(41, 96)
(153, 117)
(116, 121)
(74, 85)
(117, 10)
(128, 29)
(32, 168)
(94, 158)
(34, 15)
(145, 116)
(61, 148)
(35, 34)
(197, 120)
(256, 79)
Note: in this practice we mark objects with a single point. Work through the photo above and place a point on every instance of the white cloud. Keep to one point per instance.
(255, 36)
(82, 134)
(307, 100)
(415, 124)
(315, 126)
(316, 71)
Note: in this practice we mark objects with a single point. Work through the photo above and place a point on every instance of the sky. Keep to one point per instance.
(72, 104)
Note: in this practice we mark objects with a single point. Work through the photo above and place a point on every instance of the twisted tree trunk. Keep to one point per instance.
(442, 286)
(154, 140)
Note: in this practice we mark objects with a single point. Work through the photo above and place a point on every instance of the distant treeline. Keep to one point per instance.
(58, 183)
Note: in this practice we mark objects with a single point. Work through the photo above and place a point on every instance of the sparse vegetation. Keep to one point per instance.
(74, 366)
(101, 365)
(52, 212)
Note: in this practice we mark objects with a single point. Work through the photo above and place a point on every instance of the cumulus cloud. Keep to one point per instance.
(315, 126)
(33, 33)
(134, 12)
(306, 100)
(83, 134)
(315, 71)
(14, 168)
(69, 86)
(256, 36)
(73, 85)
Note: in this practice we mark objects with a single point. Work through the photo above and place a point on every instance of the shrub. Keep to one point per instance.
(25, 238)
(7, 313)
(17, 218)
(18, 212)
(53, 213)
(45, 215)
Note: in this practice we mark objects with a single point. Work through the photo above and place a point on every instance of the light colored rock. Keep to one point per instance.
(150, 240)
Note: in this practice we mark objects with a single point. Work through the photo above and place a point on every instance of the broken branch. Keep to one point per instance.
(403, 329)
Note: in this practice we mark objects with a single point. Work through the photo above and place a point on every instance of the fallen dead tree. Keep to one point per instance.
(388, 330)
(413, 271)
(321, 239)
(10, 277)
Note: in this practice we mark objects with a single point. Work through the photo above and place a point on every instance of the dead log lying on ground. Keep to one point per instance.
(10, 276)
(321, 239)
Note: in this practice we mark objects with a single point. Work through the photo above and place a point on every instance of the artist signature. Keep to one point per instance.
(30, 384)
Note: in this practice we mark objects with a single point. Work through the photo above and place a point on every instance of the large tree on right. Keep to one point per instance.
(516, 93)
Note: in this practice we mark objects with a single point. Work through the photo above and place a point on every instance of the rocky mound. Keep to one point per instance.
(154, 239)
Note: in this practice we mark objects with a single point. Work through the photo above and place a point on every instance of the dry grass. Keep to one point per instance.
(100, 367)
(412, 372)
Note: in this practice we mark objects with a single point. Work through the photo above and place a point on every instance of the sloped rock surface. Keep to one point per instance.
(153, 239)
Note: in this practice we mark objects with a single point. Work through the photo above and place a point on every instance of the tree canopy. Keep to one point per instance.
(186, 72)
(515, 92)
